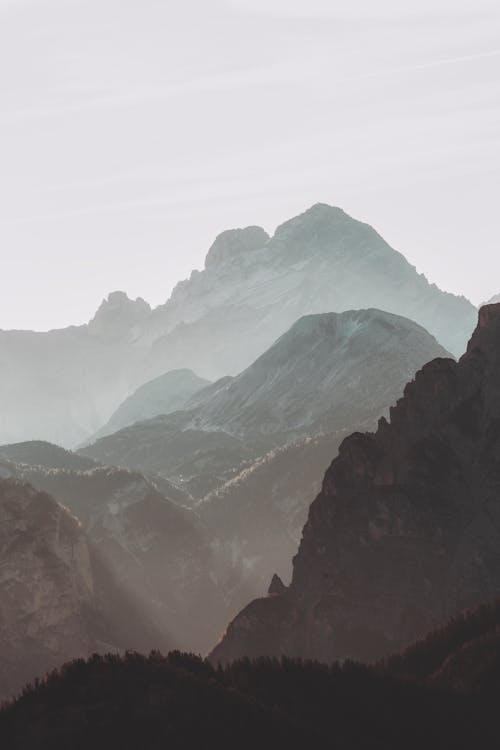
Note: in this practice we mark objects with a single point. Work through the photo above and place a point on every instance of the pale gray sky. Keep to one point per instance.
(133, 131)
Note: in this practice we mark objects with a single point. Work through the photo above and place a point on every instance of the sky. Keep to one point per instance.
(132, 132)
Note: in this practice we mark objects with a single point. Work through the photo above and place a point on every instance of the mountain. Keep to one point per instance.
(58, 599)
(405, 531)
(45, 455)
(64, 385)
(259, 443)
(329, 372)
(493, 301)
(440, 693)
(158, 551)
(462, 655)
(163, 395)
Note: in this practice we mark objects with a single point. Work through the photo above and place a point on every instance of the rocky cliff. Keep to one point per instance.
(58, 599)
(158, 551)
(406, 529)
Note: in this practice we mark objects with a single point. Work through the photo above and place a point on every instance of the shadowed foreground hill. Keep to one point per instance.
(405, 532)
(440, 693)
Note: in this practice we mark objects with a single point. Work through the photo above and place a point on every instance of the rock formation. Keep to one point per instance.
(63, 385)
(406, 529)
(58, 599)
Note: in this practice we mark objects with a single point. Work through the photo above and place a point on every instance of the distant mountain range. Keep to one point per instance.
(256, 446)
(405, 531)
(190, 569)
(59, 598)
(64, 385)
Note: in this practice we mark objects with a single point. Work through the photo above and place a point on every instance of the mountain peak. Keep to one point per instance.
(489, 315)
(118, 311)
(319, 213)
(235, 242)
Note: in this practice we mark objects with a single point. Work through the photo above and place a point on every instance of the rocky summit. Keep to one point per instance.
(58, 599)
(406, 529)
(64, 385)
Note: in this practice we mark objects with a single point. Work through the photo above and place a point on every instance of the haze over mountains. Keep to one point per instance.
(157, 550)
(328, 375)
(205, 428)
(190, 571)
(59, 598)
(404, 532)
(64, 385)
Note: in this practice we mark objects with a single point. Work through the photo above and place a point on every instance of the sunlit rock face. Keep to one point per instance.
(46, 583)
(281, 421)
(64, 385)
(404, 532)
(59, 598)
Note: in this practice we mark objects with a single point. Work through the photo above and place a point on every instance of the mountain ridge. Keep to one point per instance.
(404, 531)
(63, 385)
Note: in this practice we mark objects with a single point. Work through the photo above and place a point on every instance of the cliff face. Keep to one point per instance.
(159, 553)
(406, 529)
(58, 598)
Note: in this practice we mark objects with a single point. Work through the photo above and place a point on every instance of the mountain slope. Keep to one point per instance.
(405, 530)
(329, 373)
(159, 552)
(181, 701)
(58, 599)
(163, 395)
(64, 385)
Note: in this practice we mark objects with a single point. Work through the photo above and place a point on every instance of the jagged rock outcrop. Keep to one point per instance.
(328, 373)
(63, 385)
(406, 529)
(118, 315)
(58, 599)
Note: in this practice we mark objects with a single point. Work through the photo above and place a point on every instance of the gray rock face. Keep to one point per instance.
(405, 531)
(57, 599)
(168, 393)
(245, 440)
(493, 301)
(64, 385)
(234, 243)
(328, 373)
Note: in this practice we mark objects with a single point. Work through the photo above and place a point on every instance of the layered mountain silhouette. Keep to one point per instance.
(246, 441)
(59, 599)
(64, 385)
(167, 393)
(159, 552)
(405, 531)
(440, 693)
